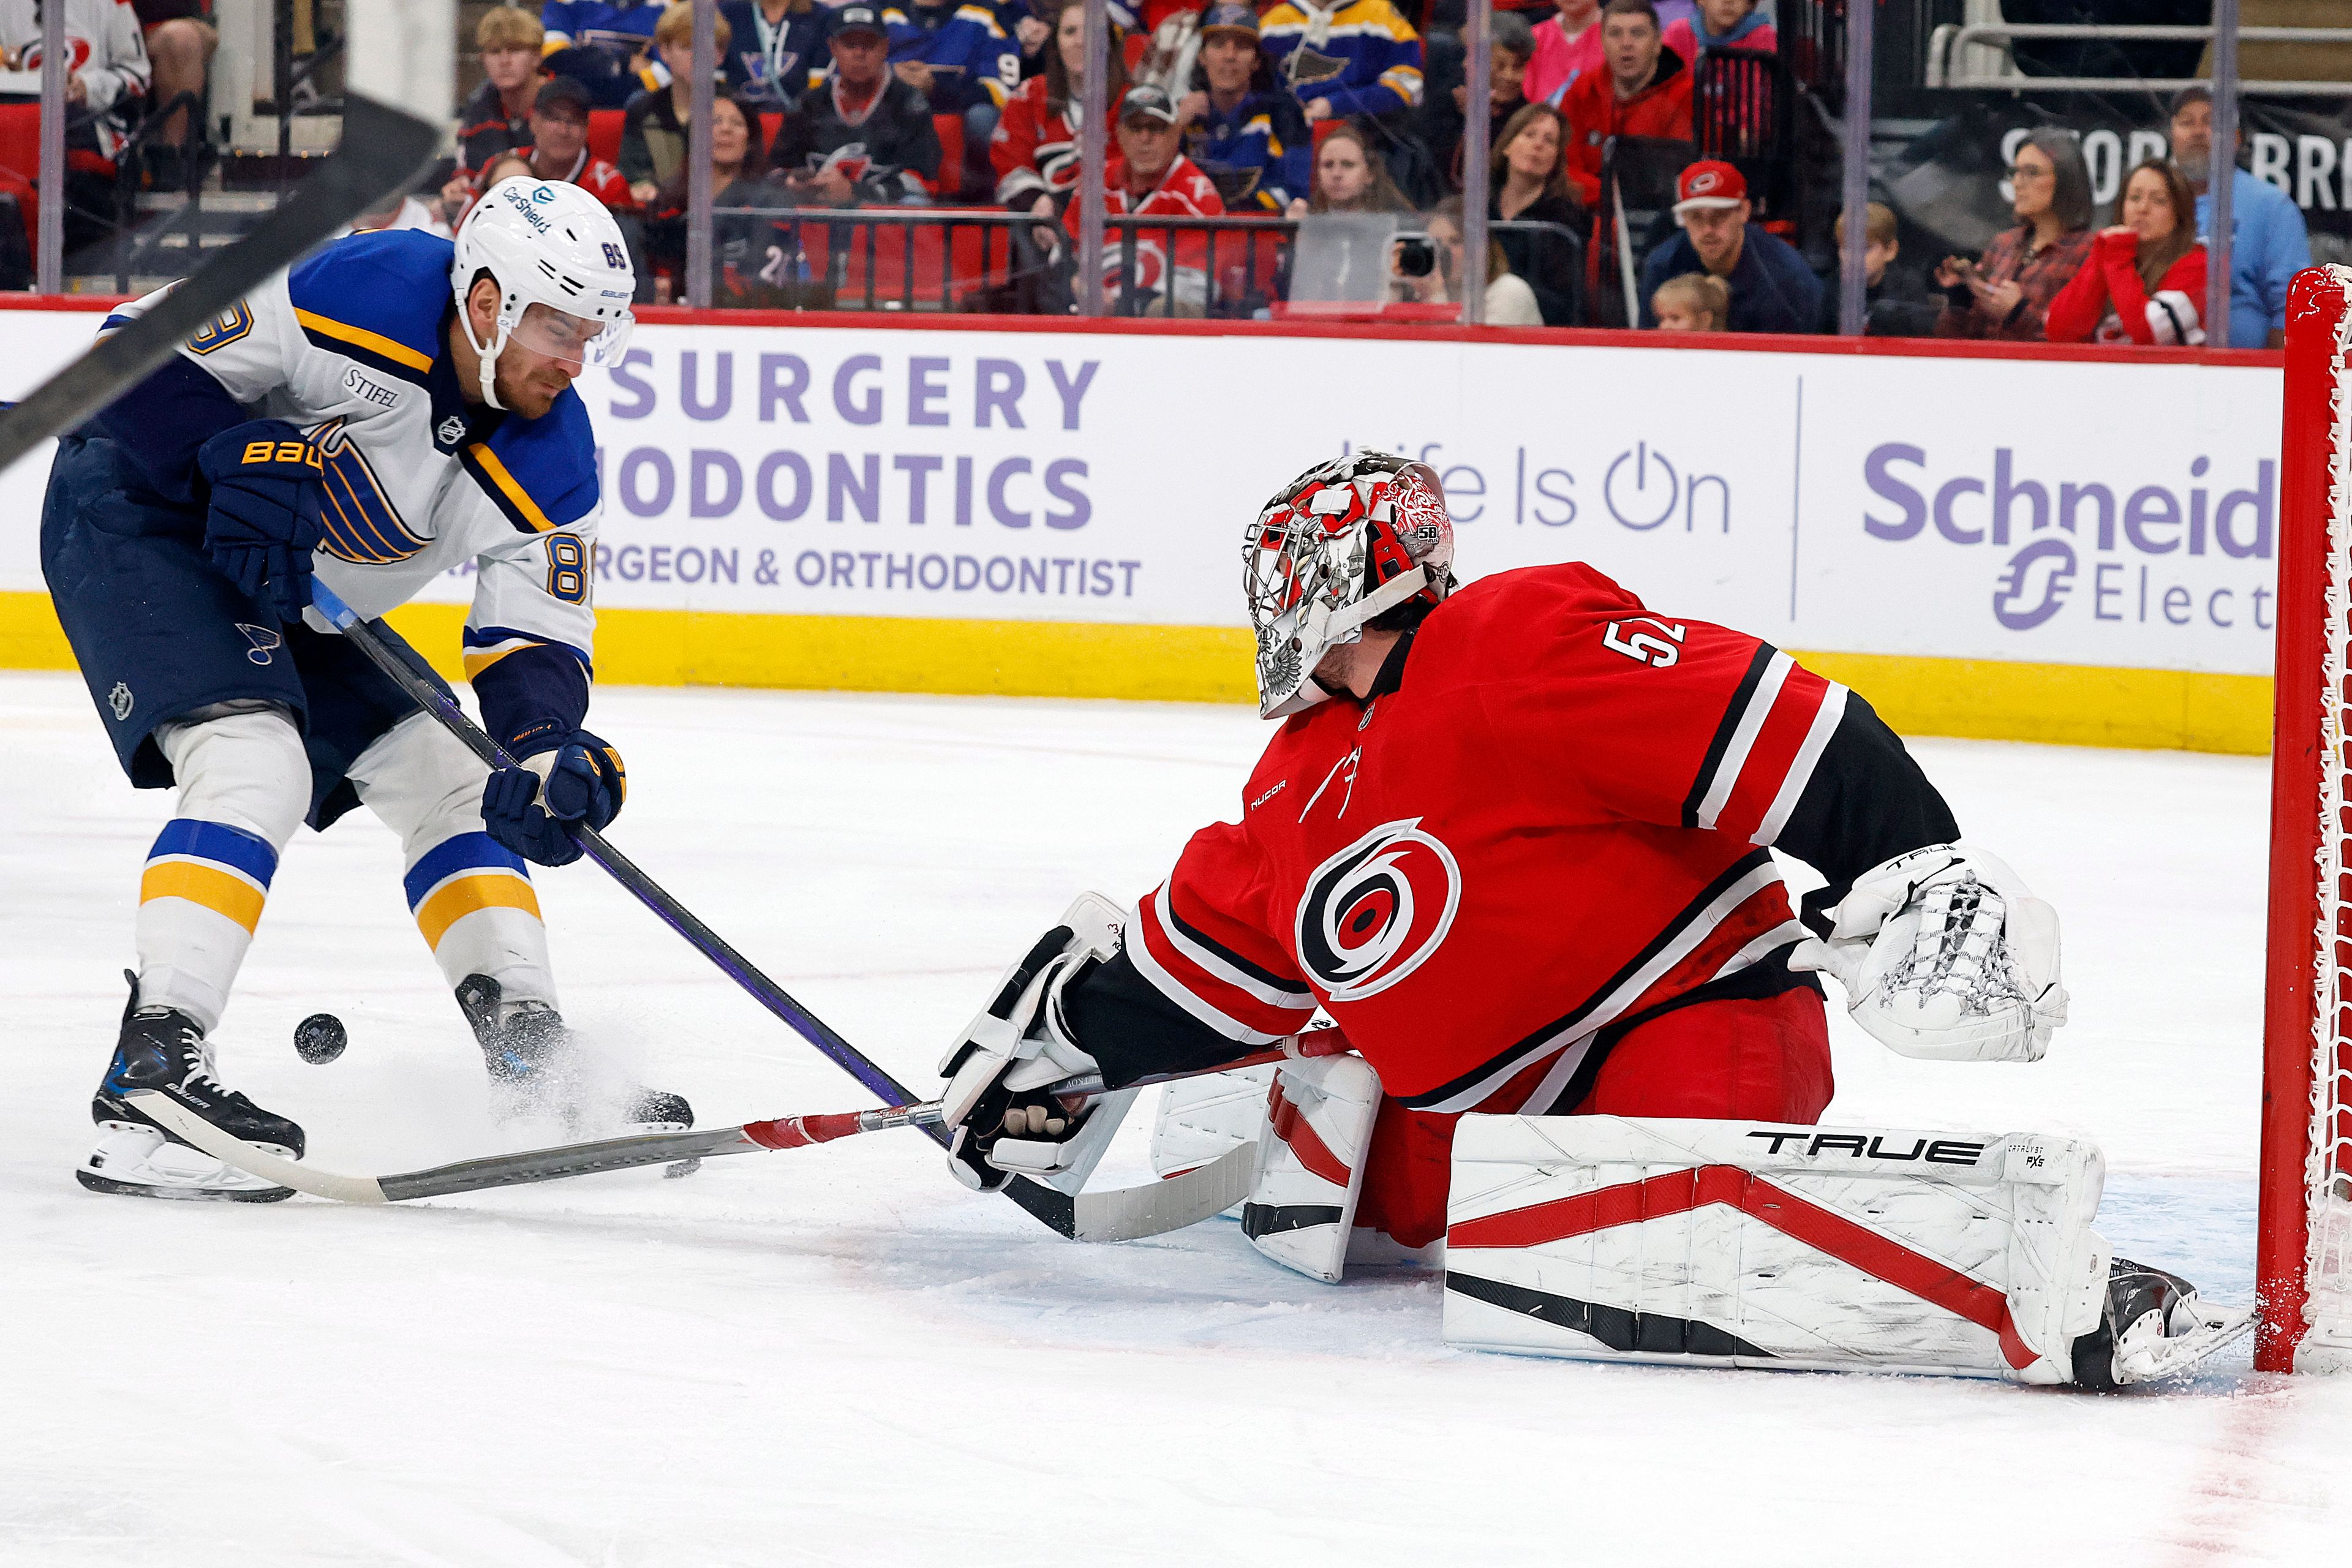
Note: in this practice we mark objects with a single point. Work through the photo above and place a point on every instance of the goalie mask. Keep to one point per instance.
(1345, 541)
(562, 271)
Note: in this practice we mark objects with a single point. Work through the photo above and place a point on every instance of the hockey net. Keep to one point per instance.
(2306, 1246)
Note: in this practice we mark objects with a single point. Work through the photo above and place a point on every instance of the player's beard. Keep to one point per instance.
(530, 393)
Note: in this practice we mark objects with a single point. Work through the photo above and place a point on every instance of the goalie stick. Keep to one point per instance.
(383, 149)
(1124, 1214)
(1048, 1204)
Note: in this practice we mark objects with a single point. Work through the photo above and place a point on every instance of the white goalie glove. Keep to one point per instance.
(1945, 956)
(1000, 1069)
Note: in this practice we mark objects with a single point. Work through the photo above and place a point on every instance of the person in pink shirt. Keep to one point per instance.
(1721, 25)
(1566, 44)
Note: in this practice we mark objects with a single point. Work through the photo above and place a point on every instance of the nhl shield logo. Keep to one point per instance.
(119, 699)
(263, 639)
(451, 431)
(1373, 912)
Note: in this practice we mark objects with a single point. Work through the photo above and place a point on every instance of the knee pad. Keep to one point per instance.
(247, 770)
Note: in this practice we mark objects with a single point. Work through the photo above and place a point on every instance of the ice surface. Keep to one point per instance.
(837, 1355)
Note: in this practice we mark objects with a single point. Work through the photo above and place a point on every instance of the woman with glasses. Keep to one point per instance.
(2005, 294)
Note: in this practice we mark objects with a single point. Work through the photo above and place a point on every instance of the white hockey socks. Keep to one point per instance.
(1319, 1119)
(1717, 1242)
(470, 896)
(245, 783)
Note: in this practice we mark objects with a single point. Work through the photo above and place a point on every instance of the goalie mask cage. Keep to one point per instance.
(2305, 1263)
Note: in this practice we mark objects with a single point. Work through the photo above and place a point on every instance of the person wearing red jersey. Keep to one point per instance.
(1034, 149)
(1152, 178)
(1644, 89)
(559, 149)
(1517, 840)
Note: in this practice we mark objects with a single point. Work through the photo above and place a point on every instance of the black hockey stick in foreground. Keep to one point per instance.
(1052, 1207)
(382, 150)
(1122, 1215)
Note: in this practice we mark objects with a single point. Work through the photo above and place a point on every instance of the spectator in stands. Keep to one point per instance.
(654, 128)
(1527, 183)
(1722, 25)
(497, 117)
(2268, 242)
(1567, 45)
(955, 53)
(1692, 302)
(779, 49)
(2145, 281)
(1772, 289)
(1249, 139)
(737, 242)
(180, 39)
(1894, 303)
(501, 167)
(606, 46)
(861, 134)
(1350, 178)
(1510, 302)
(1444, 122)
(2005, 294)
(1152, 178)
(1376, 52)
(1036, 148)
(1644, 91)
(559, 149)
(106, 94)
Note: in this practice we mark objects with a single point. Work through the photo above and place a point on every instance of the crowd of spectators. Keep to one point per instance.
(1283, 108)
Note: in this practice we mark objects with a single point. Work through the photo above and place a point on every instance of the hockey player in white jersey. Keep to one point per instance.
(392, 407)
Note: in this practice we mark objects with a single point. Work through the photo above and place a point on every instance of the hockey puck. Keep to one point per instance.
(319, 1038)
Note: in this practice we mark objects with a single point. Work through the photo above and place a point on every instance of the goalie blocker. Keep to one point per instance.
(1775, 1245)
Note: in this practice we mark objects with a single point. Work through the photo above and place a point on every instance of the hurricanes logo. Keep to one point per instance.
(1373, 912)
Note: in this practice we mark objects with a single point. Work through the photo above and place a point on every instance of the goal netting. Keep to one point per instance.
(2305, 1248)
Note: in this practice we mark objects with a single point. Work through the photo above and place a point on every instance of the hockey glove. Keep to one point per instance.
(263, 523)
(999, 1075)
(1944, 955)
(526, 807)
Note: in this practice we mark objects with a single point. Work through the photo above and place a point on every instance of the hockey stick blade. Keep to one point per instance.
(383, 149)
(1124, 1214)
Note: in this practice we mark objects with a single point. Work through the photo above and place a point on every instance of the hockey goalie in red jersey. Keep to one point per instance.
(1517, 840)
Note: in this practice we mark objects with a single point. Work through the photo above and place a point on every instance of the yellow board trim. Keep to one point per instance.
(360, 337)
(506, 481)
(216, 889)
(453, 901)
(2073, 705)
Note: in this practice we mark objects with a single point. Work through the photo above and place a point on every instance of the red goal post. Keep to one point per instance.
(2303, 1264)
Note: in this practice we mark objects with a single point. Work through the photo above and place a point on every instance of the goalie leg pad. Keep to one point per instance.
(1199, 1118)
(1310, 1163)
(1770, 1245)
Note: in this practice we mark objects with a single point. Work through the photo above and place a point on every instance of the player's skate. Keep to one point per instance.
(2154, 1326)
(538, 1070)
(162, 1049)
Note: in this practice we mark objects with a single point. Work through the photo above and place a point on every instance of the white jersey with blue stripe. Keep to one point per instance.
(350, 345)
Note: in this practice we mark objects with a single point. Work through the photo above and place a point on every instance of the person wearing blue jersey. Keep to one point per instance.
(778, 51)
(1351, 57)
(958, 55)
(394, 408)
(606, 45)
(1250, 138)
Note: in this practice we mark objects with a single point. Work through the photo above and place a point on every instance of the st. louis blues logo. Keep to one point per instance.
(360, 523)
(1375, 911)
(263, 639)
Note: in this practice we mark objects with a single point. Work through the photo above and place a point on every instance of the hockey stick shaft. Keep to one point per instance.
(677, 916)
(383, 149)
(601, 1155)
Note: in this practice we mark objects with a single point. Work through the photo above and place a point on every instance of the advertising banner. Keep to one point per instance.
(2059, 511)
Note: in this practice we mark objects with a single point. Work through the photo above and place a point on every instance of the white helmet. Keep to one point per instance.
(547, 243)
(1340, 545)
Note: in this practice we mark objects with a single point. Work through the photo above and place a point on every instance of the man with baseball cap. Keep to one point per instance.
(1150, 177)
(559, 149)
(861, 134)
(2268, 242)
(1250, 139)
(1772, 289)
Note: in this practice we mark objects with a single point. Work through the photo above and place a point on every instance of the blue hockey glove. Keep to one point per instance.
(584, 782)
(267, 485)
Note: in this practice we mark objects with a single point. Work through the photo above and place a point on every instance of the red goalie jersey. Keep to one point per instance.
(1549, 824)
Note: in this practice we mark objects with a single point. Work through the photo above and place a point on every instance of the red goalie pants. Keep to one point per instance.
(1765, 1060)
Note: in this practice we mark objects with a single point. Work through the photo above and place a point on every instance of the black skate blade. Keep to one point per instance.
(98, 1183)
